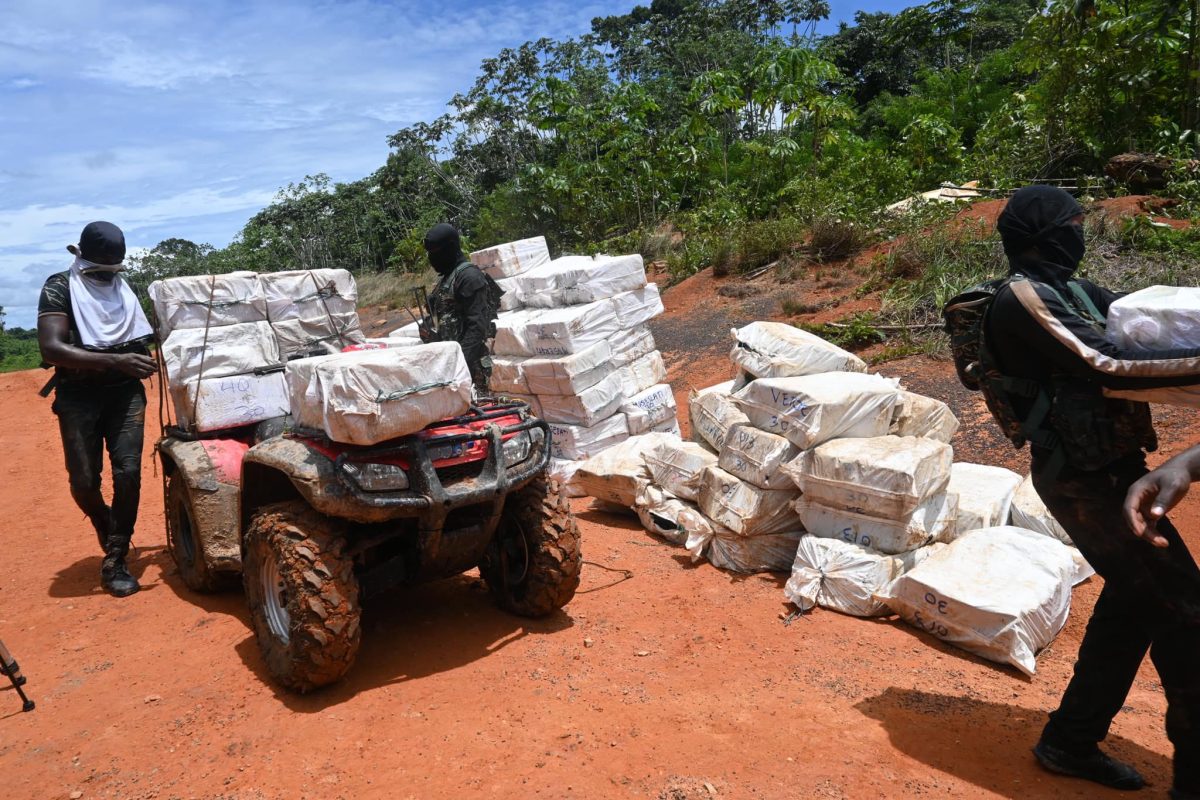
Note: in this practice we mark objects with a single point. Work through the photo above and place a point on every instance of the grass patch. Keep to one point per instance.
(852, 332)
(833, 239)
(794, 306)
(390, 288)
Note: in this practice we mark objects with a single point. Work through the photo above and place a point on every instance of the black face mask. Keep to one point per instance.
(444, 247)
(1041, 218)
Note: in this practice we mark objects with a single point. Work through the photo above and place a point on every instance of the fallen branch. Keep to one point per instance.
(891, 328)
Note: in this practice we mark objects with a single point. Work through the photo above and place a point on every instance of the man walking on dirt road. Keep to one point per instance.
(465, 302)
(1045, 331)
(95, 334)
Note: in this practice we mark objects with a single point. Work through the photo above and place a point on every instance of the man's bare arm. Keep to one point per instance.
(55, 343)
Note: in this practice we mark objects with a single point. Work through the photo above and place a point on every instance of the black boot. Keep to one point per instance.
(114, 577)
(103, 524)
(1093, 766)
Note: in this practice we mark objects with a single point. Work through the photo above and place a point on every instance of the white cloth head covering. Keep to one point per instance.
(106, 312)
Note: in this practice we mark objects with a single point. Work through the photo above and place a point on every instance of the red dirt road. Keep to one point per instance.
(680, 682)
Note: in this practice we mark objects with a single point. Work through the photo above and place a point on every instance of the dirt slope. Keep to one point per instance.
(678, 682)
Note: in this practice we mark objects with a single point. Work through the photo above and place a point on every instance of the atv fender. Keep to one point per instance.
(211, 468)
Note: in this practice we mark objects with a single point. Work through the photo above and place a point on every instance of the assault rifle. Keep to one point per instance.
(429, 321)
(8, 666)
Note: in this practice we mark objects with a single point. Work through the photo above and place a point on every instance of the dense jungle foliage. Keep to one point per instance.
(718, 132)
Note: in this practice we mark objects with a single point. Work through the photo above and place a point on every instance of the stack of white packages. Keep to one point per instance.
(845, 577)
(221, 356)
(778, 350)
(505, 262)
(985, 495)
(371, 396)
(313, 312)
(1157, 318)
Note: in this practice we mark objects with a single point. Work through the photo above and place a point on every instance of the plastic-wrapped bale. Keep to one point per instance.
(813, 409)
(631, 345)
(669, 517)
(932, 520)
(1029, 512)
(649, 408)
(317, 334)
(230, 401)
(508, 375)
(917, 415)
(637, 307)
(555, 331)
(713, 413)
(570, 374)
(511, 300)
(778, 350)
(845, 577)
(309, 294)
(540, 283)
(512, 258)
(217, 352)
(586, 408)
(743, 507)
(772, 552)
(670, 426)
(207, 301)
(564, 471)
(589, 280)
(885, 476)
(372, 396)
(638, 376)
(617, 475)
(1002, 593)
(675, 465)
(757, 457)
(575, 442)
(409, 331)
(1156, 318)
(984, 493)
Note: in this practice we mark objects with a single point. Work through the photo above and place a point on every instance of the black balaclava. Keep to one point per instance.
(444, 247)
(1040, 217)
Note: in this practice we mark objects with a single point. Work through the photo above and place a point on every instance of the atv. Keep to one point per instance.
(315, 528)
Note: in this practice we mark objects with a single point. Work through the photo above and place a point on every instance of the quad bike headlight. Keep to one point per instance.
(518, 448)
(376, 477)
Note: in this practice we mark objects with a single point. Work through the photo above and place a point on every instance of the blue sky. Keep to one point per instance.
(184, 119)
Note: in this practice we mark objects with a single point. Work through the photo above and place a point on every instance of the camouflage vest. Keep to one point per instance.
(441, 303)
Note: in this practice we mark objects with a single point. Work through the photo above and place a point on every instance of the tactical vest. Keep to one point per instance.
(441, 303)
(1085, 429)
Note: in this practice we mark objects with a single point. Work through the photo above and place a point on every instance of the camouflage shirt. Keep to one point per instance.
(56, 299)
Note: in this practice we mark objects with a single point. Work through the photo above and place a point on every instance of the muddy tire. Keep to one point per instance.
(532, 566)
(303, 595)
(185, 545)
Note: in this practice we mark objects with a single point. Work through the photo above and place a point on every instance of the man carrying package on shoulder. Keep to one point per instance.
(1046, 361)
(95, 334)
(465, 303)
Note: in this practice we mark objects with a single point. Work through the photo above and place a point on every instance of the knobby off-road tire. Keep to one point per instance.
(303, 595)
(532, 566)
(183, 540)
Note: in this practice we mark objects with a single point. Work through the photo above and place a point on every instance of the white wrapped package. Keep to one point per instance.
(511, 299)
(744, 508)
(917, 415)
(586, 408)
(637, 307)
(317, 334)
(508, 375)
(618, 474)
(574, 281)
(512, 258)
(564, 472)
(212, 404)
(845, 577)
(778, 350)
(568, 374)
(984, 495)
(576, 442)
(932, 519)
(309, 293)
(1156, 318)
(713, 413)
(647, 409)
(207, 301)
(1029, 512)
(387, 341)
(773, 552)
(813, 409)
(671, 427)
(675, 465)
(668, 516)
(372, 396)
(227, 350)
(1002, 593)
(886, 476)
(631, 345)
(757, 456)
(555, 331)
(408, 331)
(640, 375)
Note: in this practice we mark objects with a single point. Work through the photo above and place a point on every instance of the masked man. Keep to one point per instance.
(95, 334)
(465, 303)
(1046, 332)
